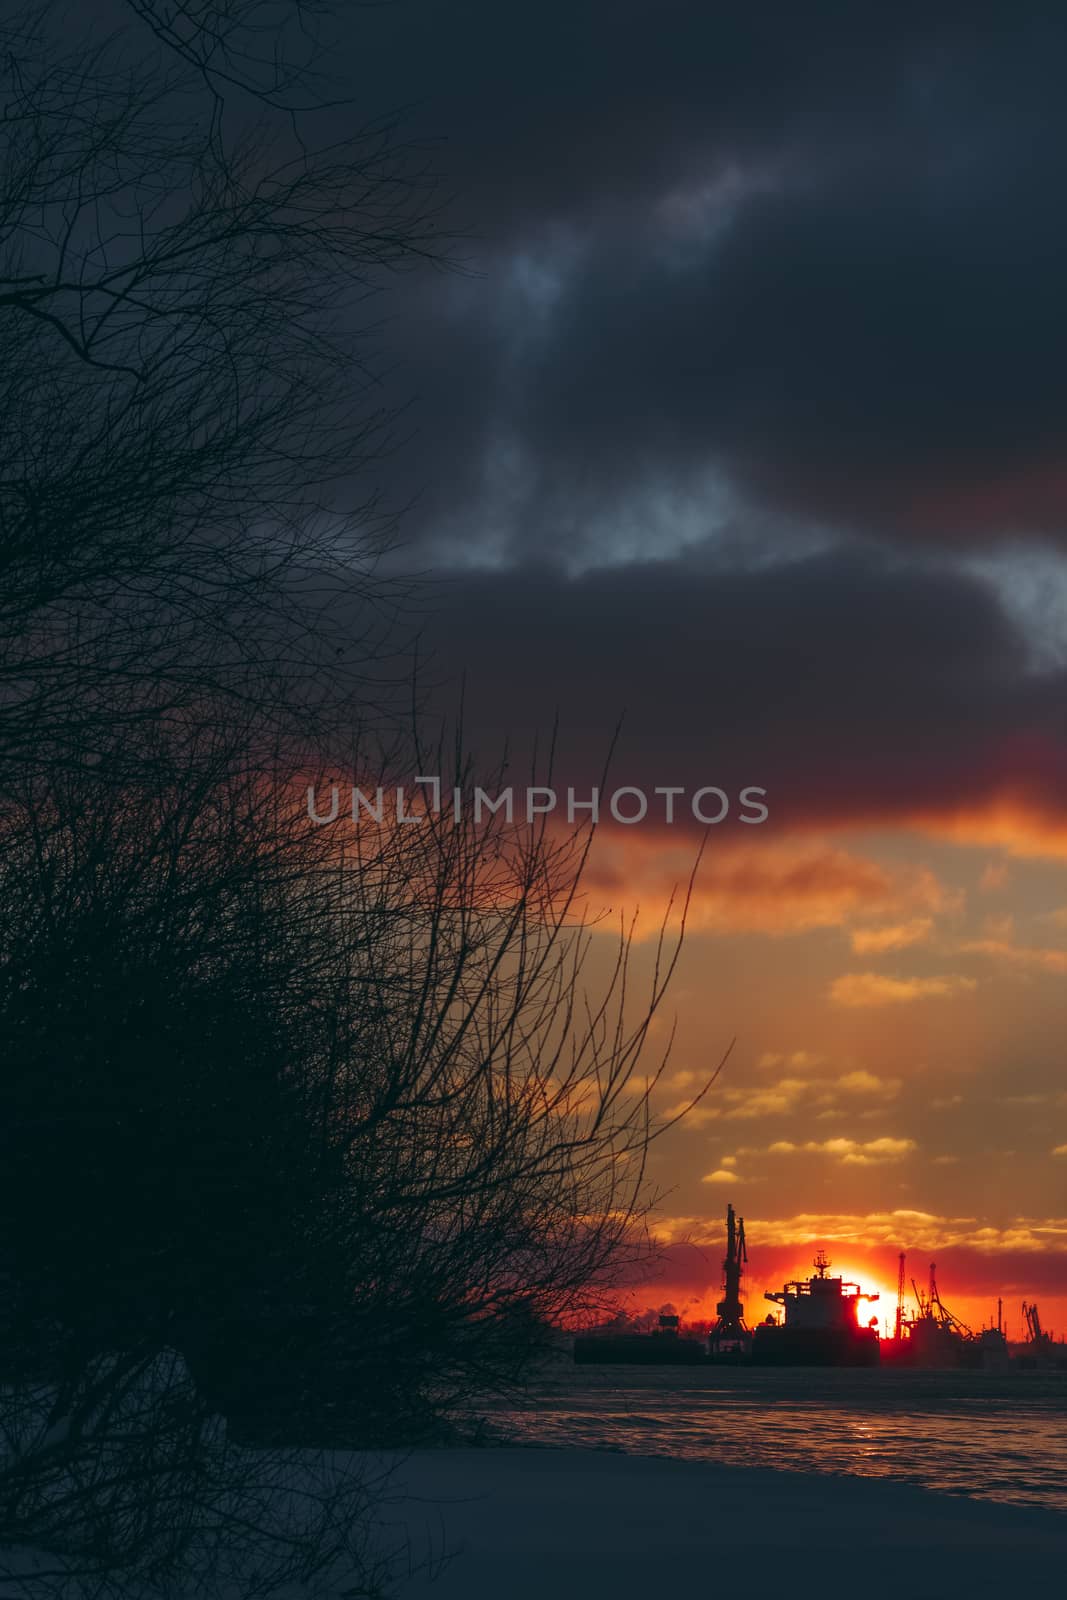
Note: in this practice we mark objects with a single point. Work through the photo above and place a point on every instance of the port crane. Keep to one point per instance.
(1035, 1333)
(899, 1322)
(730, 1331)
(931, 1307)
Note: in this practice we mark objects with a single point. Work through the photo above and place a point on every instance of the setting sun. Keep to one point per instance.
(883, 1308)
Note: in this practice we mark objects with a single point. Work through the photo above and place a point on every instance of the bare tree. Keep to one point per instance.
(334, 1112)
(319, 1128)
(188, 406)
(156, 1172)
(188, 387)
(391, 1020)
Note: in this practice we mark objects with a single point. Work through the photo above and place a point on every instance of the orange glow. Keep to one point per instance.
(783, 886)
(1025, 828)
(884, 1308)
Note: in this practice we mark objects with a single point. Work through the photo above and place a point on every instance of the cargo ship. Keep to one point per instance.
(822, 1325)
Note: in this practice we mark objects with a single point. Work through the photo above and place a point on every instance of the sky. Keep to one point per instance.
(740, 418)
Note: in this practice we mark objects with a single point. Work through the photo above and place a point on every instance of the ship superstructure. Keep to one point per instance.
(821, 1323)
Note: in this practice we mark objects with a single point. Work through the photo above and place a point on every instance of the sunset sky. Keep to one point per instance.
(745, 422)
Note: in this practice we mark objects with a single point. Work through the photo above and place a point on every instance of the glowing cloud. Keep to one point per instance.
(874, 989)
(852, 1152)
(776, 887)
(1018, 955)
(898, 936)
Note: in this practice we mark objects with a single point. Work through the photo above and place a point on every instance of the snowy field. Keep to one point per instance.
(524, 1523)
(530, 1524)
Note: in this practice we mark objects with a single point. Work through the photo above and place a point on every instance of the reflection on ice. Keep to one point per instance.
(989, 1436)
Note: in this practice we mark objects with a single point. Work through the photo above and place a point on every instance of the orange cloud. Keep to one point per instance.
(902, 1228)
(872, 1153)
(1025, 828)
(897, 936)
(773, 887)
(798, 1059)
(867, 1083)
(785, 1096)
(1017, 955)
(874, 989)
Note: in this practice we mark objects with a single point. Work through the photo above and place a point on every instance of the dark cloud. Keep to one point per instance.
(816, 254)
(571, 107)
(852, 689)
(859, 347)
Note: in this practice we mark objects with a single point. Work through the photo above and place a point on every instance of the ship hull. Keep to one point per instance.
(777, 1346)
(936, 1352)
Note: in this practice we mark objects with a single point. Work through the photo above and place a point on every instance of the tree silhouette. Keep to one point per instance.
(316, 1129)
(188, 389)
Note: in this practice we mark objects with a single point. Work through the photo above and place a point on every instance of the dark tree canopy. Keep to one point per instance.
(316, 1129)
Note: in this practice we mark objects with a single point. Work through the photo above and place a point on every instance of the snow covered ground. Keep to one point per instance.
(533, 1524)
(547, 1524)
